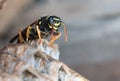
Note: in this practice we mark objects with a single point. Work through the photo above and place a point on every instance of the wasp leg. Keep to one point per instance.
(28, 32)
(39, 34)
(53, 38)
(20, 39)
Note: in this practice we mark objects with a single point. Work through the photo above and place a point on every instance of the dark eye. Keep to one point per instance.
(51, 21)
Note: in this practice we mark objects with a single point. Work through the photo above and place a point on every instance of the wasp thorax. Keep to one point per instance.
(55, 21)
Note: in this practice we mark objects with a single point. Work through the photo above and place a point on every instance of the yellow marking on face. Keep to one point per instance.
(55, 28)
(50, 26)
(56, 19)
(57, 24)
(39, 22)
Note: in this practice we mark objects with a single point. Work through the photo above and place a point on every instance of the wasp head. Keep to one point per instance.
(55, 22)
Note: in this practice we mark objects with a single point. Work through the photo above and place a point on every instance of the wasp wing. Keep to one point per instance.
(14, 39)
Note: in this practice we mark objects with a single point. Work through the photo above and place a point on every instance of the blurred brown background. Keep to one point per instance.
(93, 26)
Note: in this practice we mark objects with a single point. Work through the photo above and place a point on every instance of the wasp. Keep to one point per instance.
(42, 28)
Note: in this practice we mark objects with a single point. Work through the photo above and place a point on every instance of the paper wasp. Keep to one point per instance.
(41, 29)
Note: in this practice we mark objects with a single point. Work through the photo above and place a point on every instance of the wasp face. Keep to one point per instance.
(55, 22)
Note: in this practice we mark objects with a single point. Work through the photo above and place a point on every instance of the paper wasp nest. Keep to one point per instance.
(33, 62)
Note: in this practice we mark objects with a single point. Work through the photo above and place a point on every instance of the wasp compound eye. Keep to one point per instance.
(51, 20)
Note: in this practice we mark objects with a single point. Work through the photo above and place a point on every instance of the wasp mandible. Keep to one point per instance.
(41, 29)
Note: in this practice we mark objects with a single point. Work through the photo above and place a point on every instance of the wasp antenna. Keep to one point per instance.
(65, 32)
